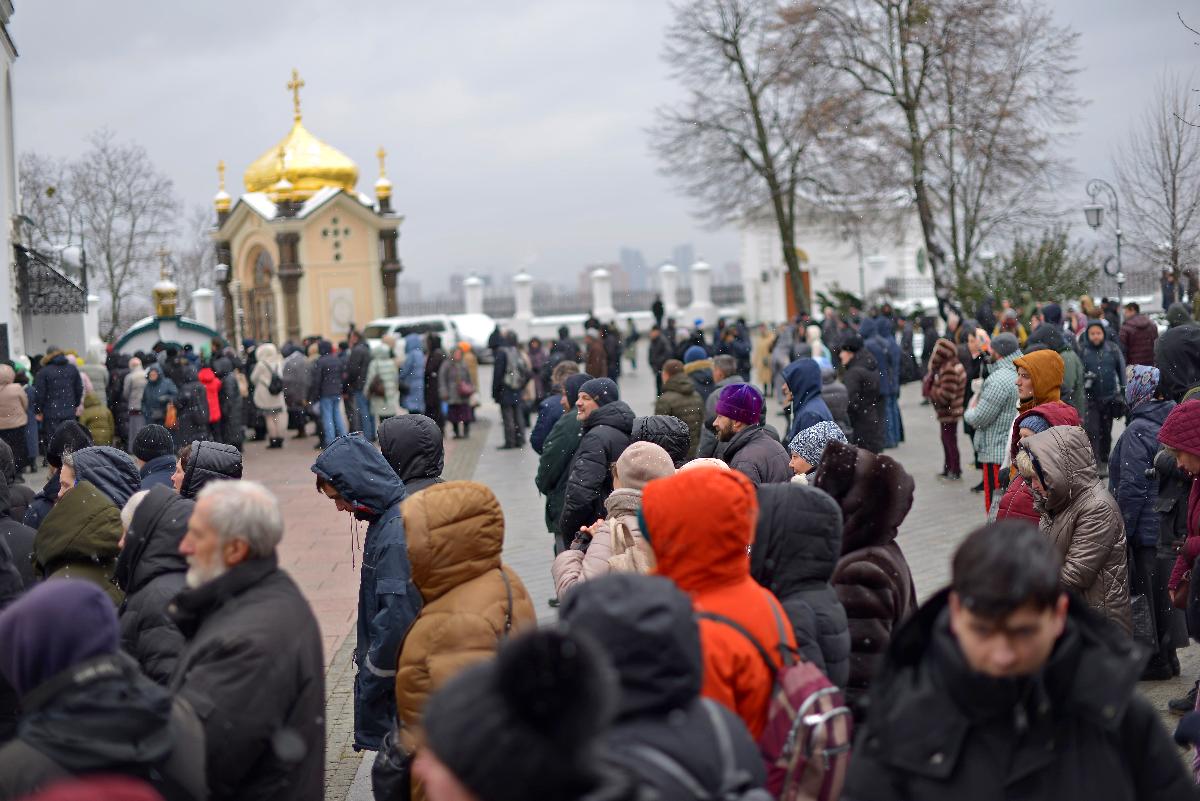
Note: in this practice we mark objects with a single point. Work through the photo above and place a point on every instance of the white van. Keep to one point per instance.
(400, 327)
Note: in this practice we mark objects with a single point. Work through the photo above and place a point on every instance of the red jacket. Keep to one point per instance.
(1017, 502)
(700, 523)
(212, 388)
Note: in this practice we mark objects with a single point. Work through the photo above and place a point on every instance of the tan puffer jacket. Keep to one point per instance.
(1083, 521)
(455, 534)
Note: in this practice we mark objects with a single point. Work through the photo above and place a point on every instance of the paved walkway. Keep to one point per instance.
(317, 546)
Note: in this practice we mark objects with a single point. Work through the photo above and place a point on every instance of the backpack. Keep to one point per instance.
(806, 742)
(626, 556)
(516, 374)
(736, 785)
(275, 387)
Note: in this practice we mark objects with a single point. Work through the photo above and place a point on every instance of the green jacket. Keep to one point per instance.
(78, 539)
(1072, 386)
(97, 419)
(554, 466)
(680, 399)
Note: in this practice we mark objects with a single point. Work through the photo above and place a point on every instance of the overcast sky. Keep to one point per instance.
(515, 130)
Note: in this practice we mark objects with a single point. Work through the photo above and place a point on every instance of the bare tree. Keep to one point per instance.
(969, 97)
(758, 121)
(114, 200)
(1158, 172)
(195, 256)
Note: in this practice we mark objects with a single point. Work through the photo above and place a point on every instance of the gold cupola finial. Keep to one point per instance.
(166, 294)
(221, 200)
(383, 187)
(282, 190)
(294, 86)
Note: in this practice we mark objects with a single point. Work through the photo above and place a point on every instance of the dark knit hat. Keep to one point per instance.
(153, 441)
(1035, 423)
(851, 342)
(571, 387)
(1005, 344)
(741, 402)
(1181, 430)
(69, 436)
(602, 390)
(694, 354)
(499, 726)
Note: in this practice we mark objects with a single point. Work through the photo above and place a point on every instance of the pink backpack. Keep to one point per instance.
(806, 742)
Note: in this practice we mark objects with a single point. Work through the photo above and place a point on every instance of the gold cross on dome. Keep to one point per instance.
(221, 173)
(294, 86)
(381, 154)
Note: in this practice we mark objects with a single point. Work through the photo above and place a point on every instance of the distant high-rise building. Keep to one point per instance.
(634, 264)
(408, 290)
(683, 256)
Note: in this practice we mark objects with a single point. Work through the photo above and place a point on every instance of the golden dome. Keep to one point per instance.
(383, 187)
(308, 164)
(221, 200)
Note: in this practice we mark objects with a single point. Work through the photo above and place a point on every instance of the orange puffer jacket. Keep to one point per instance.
(700, 524)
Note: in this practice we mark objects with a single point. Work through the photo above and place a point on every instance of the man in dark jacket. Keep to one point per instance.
(648, 629)
(724, 373)
(669, 433)
(57, 391)
(191, 405)
(680, 399)
(69, 437)
(414, 448)
(1104, 381)
(660, 351)
(150, 570)
(356, 477)
(207, 462)
(109, 470)
(295, 388)
(797, 544)
(750, 447)
(861, 377)
(12, 584)
(356, 382)
(1003, 686)
(325, 389)
(253, 668)
(554, 464)
(154, 450)
(606, 422)
(1138, 335)
(85, 707)
(233, 405)
(699, 369)
(510, 374)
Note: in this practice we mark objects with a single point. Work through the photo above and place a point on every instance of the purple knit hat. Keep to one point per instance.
(742, 403)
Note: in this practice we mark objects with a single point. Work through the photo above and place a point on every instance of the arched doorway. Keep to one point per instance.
(260, 306)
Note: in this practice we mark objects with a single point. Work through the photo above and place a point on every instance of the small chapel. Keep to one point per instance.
(308, 254)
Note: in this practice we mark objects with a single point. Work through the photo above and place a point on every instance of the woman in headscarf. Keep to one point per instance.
(433, 366)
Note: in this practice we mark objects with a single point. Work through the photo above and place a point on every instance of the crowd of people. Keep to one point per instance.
(737, 617)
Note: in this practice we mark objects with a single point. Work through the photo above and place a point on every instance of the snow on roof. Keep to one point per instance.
(319, 199)
(261, 204)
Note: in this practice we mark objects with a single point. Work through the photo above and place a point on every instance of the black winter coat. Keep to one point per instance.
(57, 389)
(938, 730)
(414, 448)
(647, 627)
(356, 367)
(19, 538)
(660, 352)
(755, 451)
(254, 672)
(1136, 493)
(11, 586)
(103, 716)
(669, 433)
(151, 571)
(210, 461)
(42, 503)
(797, 543)
(233, 406)
(605, 437)
(191, 406)
(19, 495)
(325, 378)
(861, 378)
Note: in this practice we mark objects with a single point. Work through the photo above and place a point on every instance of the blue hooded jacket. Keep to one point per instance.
(1132, 456)
(879, 335)
(112, 471)
(387, 600)
(803, 378)
(412, 374)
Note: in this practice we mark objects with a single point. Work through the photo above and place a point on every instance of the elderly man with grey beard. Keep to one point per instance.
(252, 669)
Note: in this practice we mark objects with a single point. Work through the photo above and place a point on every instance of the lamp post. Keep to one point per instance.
(1094, 214)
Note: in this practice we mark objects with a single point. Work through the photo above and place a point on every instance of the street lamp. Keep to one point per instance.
(1094, 214)
(221, 271)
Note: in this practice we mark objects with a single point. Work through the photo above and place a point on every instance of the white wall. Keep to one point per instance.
(8, 200)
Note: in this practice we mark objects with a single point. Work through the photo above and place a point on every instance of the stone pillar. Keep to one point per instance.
(389, 268)
(602, 303)
(225, 256)
(473, 289)
(669, 276)
(91, 325)
(702, 307)
(290, 273)
(204, 308)
(523, 294)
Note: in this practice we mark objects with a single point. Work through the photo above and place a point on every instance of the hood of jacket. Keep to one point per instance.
(1063, 458)
(360, 474)
(109, 470)
(668, 432)
(210, 461)
(84, 526)
(1156, 411)
(455, 533)
(152, 541)
(268, 354)
(874, 492)
(623, 502)
(58, 358)
(1046, 371)
(222, 366)
(700, 523)
(412, 342)
(616, 414)
(1046, 334)
(1177, 355)
(413, 446)
(208, 378)
(803, 378)
(648, 629)
(798, 539)
(91, 400)
(1178, 314)
(1057, 413)
(1140, 323)
(680, 383)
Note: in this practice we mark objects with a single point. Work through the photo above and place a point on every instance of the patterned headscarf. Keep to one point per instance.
(1141, 381)
(810, 443)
